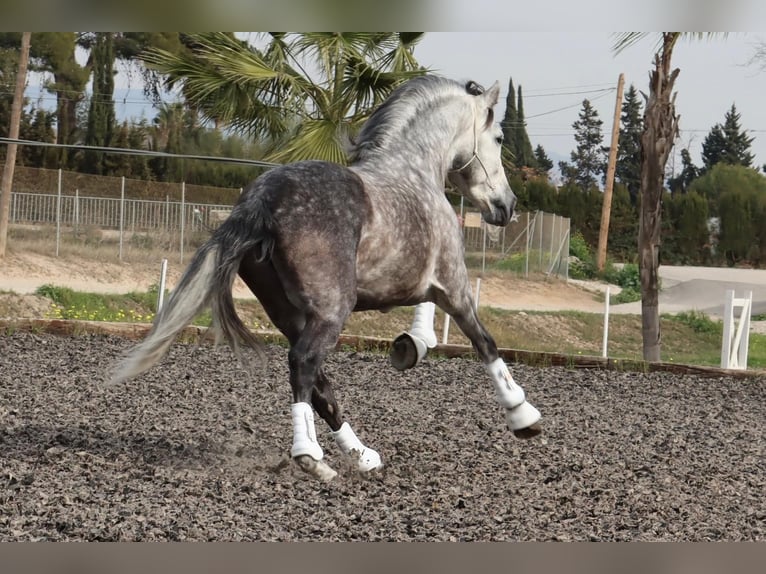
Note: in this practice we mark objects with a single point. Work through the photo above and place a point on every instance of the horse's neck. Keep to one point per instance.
(420, 162)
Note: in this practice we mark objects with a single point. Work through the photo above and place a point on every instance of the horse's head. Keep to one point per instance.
(477, 170)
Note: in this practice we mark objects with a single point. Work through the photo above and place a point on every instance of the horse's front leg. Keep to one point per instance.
(522, 418)
(409, 348)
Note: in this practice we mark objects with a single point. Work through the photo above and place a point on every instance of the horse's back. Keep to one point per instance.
(314, 213)
(310, 191)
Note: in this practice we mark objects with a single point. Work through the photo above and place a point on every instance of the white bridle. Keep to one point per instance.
(475, 156)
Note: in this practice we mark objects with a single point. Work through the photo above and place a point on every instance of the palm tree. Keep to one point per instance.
(305, 93)
(657, 139)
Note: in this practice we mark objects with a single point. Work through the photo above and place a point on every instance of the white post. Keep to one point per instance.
(445, 329)
(728, 319)
(122, 212)
(161, 291)
(734, 346)
(478, 292)
(58, 215)
(606, 324)
(183, 217)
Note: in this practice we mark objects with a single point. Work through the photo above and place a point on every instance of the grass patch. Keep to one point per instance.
(688, 338)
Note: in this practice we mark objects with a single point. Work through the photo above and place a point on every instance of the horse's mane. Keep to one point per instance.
(405, 103)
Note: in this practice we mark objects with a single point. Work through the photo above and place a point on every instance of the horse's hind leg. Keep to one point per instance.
(323, 400)
(312, 388)
(522, 418)
(264, 282)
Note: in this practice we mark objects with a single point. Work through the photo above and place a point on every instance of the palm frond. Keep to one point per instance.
(319, 139)
(623, 40)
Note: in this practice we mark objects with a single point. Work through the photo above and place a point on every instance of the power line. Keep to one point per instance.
(144, 152)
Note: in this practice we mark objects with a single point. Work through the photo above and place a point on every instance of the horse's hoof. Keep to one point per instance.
(529, 432)
(522, 417)
(407, 351)
(317, 468)
(367, 460)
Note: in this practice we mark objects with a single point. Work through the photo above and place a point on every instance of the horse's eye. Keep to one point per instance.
(499, 140)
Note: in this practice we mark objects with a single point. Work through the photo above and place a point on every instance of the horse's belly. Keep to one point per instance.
(391, 288)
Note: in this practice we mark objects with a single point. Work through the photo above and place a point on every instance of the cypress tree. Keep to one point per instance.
(523, 145)
(101, 117)
(510, 120)
(628, 167)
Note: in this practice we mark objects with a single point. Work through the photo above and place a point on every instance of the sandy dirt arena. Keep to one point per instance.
(197, 449)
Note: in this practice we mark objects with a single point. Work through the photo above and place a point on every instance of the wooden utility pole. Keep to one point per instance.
(606, 206)
(13, 133)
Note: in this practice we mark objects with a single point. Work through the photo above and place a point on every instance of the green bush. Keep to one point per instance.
(579, 248)
(583, 266)
(627, 295)
(699, 322)
(629, 277)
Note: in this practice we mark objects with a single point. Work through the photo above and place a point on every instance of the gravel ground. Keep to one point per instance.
(197, 449)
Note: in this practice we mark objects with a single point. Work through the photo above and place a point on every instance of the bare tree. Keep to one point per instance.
(657, 139)
(13, 133)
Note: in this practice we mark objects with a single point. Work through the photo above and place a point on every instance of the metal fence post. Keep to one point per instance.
(526, 249)
(183, 217)
(122, 212)
(540, 243)
(58, 215)
(76, 211)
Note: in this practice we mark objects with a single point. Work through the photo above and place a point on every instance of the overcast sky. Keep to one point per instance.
(559, 69)
(714, 74)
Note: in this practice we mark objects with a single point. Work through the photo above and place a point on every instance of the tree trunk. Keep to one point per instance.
(660, 131)
(13, 133)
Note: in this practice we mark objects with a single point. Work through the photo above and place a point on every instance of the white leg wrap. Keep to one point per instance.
(304, 432)
(507, 392)
(522, 417)
(423, 324)
(367, 459)
(519, 414)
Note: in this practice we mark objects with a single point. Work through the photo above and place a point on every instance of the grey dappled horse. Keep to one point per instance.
(315, 241)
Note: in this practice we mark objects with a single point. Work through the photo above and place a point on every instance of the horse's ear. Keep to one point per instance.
(492, 95)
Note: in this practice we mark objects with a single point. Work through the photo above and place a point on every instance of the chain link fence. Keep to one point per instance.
(114, 216)
(532, 243)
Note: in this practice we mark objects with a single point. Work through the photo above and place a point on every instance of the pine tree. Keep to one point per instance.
(737, 142)
(588, 161)
(713, 147)
(689, 172)
(727, 143)
(628, 167)
(544, 163)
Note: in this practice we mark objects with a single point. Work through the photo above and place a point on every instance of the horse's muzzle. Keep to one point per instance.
(500, 212)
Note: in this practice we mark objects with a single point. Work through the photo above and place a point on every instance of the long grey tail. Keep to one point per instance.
(207, 282)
